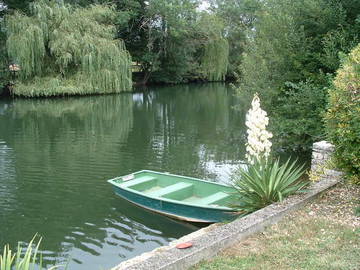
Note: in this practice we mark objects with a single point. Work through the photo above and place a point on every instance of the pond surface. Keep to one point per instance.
(56, 155)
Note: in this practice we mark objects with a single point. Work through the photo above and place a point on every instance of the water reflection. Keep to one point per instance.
(55, 155)
(7, 193)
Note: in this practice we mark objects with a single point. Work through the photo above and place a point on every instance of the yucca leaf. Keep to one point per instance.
(265, 182)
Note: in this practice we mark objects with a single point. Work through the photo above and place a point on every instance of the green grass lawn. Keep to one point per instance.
(325, 234)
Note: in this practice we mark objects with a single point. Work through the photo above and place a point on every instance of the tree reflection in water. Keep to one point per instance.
(56, 155)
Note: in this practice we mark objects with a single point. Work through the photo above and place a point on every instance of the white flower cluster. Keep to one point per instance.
(258, 143)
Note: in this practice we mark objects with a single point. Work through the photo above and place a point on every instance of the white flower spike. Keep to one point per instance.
(258, 143)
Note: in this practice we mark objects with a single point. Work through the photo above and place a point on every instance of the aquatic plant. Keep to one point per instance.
(18, 260)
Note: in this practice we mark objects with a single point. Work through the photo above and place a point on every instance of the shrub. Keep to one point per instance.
(265, 182)
(297, 116)
(343, 115)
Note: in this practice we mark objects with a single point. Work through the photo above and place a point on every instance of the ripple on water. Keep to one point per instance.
(56, 155)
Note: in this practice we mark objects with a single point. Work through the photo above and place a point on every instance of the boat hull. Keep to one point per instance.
(175, 210)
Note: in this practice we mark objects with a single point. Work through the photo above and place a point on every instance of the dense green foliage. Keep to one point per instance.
(4, 74)
(170, 41)
(290, 49)
(214, 58)
(159, 31)
(65, 50)
(343, 115)
(285, 50)
(297, 117)
(265, 182)
(296, 41)
(238, 16)
(3, 56)
(173, 42)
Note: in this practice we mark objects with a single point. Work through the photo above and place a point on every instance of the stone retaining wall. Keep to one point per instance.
(321, 154)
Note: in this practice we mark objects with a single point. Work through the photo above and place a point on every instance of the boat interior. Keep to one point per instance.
(181, 189)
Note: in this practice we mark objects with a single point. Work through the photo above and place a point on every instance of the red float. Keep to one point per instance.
(184, 245)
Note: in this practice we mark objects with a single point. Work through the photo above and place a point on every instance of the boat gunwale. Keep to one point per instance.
(224, 208)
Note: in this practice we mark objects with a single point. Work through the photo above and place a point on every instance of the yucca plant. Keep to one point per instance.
(265, 182)
(10, 260)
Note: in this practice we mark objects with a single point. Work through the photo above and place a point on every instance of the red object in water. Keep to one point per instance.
(184, 245)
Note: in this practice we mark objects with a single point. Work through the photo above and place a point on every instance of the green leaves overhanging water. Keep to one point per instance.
(215, 57)
(66, 50)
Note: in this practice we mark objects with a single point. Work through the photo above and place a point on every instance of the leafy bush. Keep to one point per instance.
(265, 182)
(343, 115)
(296, 116)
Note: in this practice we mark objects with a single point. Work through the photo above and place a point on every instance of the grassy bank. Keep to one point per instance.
(323, 235)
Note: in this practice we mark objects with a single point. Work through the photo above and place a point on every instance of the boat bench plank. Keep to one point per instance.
(170, 189)
(212, 198)
(137, 181)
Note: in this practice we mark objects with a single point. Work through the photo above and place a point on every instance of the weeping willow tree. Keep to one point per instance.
(214, 59)
(215, 62)
(65, 50)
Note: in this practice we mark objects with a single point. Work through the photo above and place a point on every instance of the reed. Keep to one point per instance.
(19, 260)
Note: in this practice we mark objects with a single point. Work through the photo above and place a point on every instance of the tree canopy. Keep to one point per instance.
(291, 51)
(238, 18)
(287, 51)
(62, 50)
(170, 41)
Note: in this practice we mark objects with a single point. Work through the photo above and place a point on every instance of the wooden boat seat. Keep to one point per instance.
(137, 181)
(170, 189)
(212, 198)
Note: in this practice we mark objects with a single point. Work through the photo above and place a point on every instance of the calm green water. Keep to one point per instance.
(56, 155)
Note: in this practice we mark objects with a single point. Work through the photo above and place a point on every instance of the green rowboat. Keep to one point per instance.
(179, 197)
